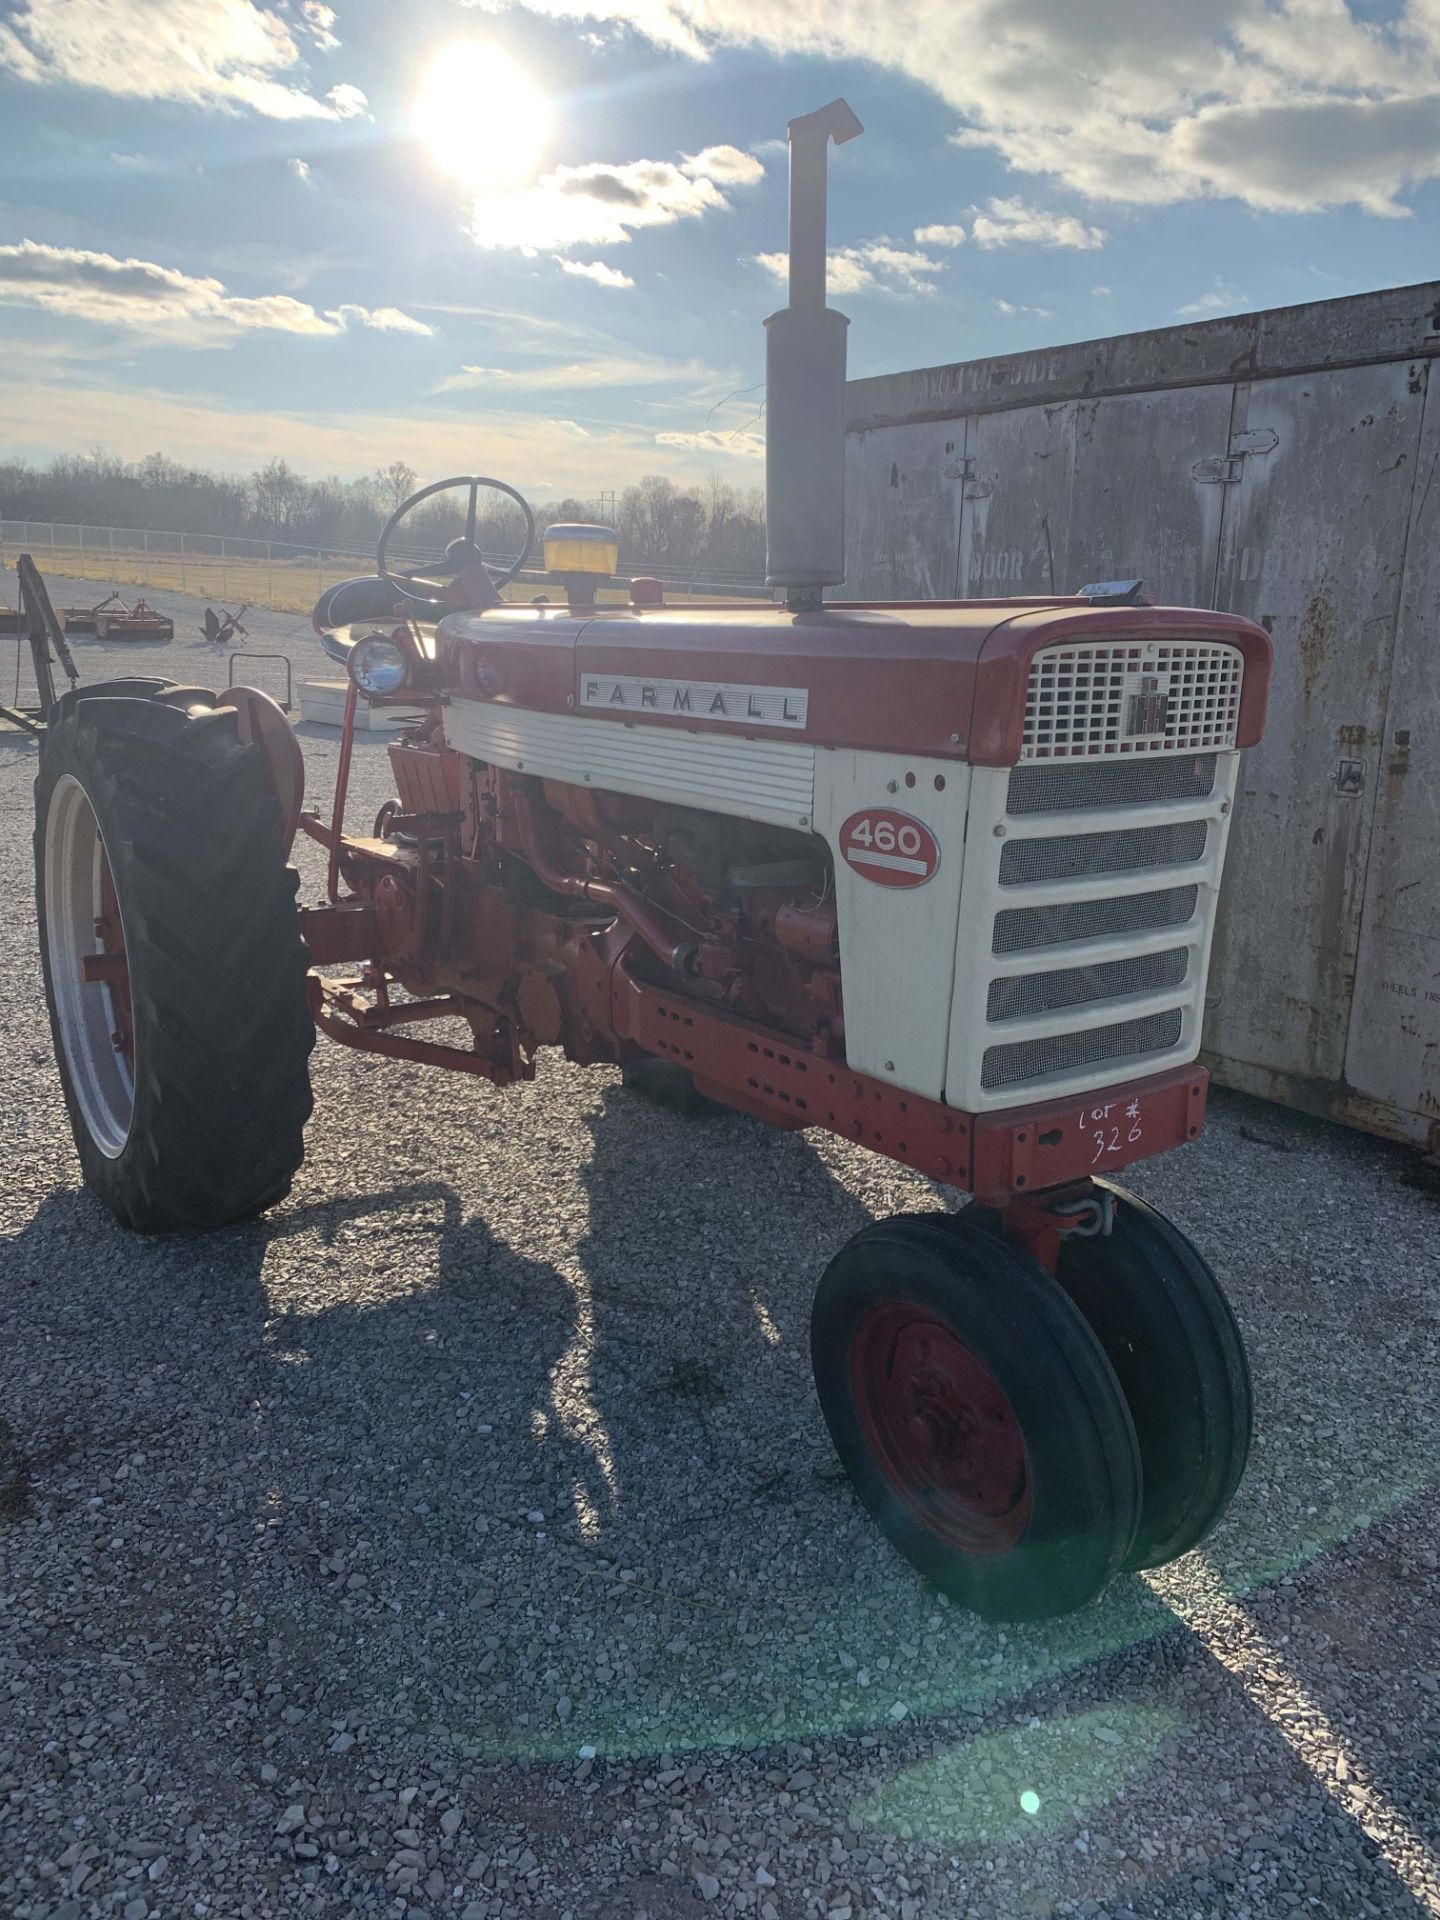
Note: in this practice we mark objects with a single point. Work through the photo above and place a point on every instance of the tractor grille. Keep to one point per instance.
(1120, 852)
(1110, 783)
(1063, 1052)
(1018, 996)
(1017, 929)
(1085, 920)
(1104, 699)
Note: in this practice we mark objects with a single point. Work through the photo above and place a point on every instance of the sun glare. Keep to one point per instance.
(481, 116)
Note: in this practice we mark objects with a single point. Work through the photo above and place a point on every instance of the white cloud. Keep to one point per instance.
(1100, 293)
(730, 166)
(179, 307)
(1319, 151)
(595, 270)
(904, 265)
(1010, 223)
(1219, 299)
(346, 102)
(318, 24)
(607, 365)
(1039, 313)
(595, 205)
(225, 53)
(940, 235)
(746, 446)
(61, 413)
(381, 319)
(1285, 104)
(875, 266)
(301, 171)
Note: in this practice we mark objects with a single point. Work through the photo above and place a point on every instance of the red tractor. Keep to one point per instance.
(939, 877)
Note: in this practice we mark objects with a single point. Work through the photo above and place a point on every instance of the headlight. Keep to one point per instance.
(378, 664)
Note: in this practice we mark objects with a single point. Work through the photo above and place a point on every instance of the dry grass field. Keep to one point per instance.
(277, 581)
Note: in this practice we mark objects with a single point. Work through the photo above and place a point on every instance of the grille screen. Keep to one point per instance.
(1106, 699)
(1032, 993)
(1065, 1052)
(1115, 783)
(1083, 853)
(1017, 929)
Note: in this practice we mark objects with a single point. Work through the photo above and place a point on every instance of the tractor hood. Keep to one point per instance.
(942, 680)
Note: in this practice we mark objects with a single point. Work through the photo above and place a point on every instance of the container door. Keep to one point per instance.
(1016, 502)
(1392, 1059)
(902, 510)
(1087, 490)
(1139, 510)
(1317, 505)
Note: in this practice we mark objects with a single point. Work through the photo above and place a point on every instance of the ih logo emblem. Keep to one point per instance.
(1147, 705)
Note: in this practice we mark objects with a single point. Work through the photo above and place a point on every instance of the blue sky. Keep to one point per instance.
(227, 231)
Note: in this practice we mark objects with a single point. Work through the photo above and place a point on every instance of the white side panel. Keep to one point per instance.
(768, 780)
(897, 944)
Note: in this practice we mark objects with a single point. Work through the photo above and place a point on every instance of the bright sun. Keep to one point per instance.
(481, 116)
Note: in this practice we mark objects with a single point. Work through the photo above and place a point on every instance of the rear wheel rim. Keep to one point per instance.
(89, 968)
(941, 1429)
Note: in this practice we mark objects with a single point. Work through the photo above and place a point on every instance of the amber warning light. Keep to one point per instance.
(576, 548)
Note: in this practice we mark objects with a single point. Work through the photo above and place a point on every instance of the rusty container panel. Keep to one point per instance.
(903, 488)
(1095, 489)
(1140, 511)
(1015, 515)
(1313, 547)
(1392, 1057)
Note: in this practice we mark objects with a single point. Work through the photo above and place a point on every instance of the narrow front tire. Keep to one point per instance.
(977, 1416)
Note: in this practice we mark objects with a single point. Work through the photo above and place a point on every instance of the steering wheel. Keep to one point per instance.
(462, 552)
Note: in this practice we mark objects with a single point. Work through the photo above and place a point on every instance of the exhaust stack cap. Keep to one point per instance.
(805, 384)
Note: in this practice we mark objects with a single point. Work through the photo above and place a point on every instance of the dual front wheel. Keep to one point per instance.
(1021, 1437)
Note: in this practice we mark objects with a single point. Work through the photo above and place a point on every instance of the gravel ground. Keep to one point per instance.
(463, 1539)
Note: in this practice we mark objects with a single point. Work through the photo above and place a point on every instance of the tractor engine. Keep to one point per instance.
(752, 906)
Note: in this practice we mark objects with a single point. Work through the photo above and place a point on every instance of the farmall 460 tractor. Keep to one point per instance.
(939, 877)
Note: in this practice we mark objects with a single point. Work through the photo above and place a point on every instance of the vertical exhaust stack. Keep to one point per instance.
(805, 385)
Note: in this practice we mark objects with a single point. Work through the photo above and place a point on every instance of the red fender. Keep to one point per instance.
(263, 723)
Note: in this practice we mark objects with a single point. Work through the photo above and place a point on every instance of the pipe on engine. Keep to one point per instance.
(805, 384)
(613, 895)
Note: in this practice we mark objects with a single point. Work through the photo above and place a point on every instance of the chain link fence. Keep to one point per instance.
(228, 568)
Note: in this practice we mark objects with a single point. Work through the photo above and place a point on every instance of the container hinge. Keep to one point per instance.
(1225, 469)
(964, 470)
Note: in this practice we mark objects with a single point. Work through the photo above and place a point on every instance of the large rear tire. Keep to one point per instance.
(977, 1416)
(174, 967)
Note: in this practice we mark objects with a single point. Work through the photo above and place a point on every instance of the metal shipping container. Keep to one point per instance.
(1284, 465)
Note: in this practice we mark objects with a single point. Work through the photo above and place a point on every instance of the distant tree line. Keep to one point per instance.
(718, 526)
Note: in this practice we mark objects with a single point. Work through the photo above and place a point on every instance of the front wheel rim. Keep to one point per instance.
(941, 1429)
(89, 968)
